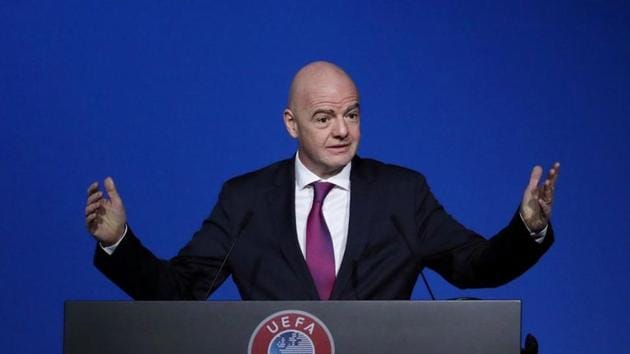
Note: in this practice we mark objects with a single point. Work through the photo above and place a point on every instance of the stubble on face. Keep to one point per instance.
(323, 114)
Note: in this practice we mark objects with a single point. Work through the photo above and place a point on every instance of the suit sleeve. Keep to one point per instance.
(466, 259)
(188, 276)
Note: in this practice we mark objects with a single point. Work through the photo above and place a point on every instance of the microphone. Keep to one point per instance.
(531, 345)
(355, 280)
(402, 235)
(244, 223)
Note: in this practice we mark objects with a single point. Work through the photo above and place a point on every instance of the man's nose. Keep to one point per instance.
(340, 128)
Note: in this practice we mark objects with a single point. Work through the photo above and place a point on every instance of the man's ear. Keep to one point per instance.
(290, 122)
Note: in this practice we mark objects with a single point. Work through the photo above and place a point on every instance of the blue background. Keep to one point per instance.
(174, 97)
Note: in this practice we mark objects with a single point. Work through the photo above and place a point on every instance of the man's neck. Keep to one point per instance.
(305, 176)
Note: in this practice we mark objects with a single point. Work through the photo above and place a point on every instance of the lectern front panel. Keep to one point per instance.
(342, 327)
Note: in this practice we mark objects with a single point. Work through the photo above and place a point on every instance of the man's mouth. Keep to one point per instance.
(339, 147)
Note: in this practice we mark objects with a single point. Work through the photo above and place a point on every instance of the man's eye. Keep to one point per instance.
(322, 119)
(353, 116)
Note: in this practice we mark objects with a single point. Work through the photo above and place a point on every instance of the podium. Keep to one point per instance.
(342, 327)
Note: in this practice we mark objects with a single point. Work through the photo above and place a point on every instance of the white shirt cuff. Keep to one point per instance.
(539, 237)
(110, 249)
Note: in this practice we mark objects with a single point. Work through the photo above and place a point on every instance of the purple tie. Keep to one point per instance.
(320, 256)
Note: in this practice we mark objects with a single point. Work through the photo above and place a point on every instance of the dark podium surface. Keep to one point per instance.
(432, 327)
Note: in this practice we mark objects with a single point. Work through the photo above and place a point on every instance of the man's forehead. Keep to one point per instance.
(326, 103)
(334, 92)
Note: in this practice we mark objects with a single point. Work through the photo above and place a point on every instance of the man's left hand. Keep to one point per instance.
(538, 199)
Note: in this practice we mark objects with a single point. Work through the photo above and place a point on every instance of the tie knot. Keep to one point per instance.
(321, 190)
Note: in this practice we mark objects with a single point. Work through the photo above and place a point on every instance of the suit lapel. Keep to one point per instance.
(281, 203)
(362, 199)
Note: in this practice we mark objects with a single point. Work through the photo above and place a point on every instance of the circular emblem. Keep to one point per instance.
(295, 332)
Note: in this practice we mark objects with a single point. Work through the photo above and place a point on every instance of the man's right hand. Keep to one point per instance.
(105, 219)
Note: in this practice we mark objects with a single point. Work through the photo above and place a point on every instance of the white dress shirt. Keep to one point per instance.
(336, 207)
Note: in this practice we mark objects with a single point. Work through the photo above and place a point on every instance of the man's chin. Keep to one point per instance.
(339, 161)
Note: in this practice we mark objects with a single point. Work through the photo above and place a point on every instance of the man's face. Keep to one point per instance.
(325, 120)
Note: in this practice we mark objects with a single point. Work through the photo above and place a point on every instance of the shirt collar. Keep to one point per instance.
(304, 176)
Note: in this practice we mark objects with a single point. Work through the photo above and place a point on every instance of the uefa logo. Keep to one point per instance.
(295, 332)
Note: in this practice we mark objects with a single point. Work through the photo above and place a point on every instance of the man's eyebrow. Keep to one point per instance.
(326, 111)
(351, 108)
(332, 111)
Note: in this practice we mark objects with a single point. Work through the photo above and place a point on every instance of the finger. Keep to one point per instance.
(91, 208)
(553, 173)
(94, 197)
(534, 178)
(549, 185)
(545, 207)
(111, 189)
(547, 192)
(102, 205)
(92, 188)
(94, 225)
(89, 219)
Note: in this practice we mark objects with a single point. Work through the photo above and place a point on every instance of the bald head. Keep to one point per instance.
(323, 115)
(319, 77)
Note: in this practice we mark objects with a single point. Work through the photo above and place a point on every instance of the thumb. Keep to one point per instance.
(111, 189)
(534, 178)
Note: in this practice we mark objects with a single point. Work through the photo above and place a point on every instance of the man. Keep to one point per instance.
(325, 224)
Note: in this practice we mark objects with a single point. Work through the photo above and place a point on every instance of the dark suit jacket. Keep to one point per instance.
(396, 228)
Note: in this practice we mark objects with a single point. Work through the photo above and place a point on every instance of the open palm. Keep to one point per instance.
(105, 218)
(538, 199)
